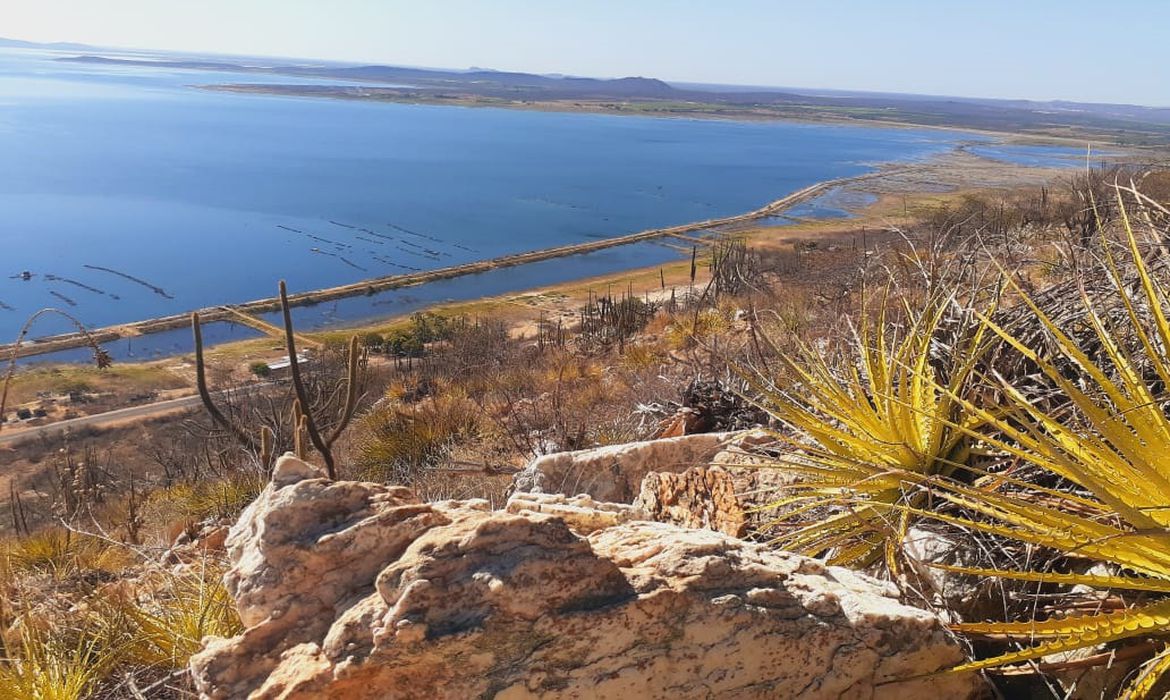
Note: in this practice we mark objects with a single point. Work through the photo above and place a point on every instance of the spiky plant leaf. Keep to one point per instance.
(881, 437)
(883, 411)
(1153, 671)
(170, 629)
(1111, 445)
(52, 667)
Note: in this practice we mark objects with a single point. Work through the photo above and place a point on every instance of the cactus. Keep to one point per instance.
(306, 434)
(323, 444)
(266, 438)
(299, 434)
(217, 416)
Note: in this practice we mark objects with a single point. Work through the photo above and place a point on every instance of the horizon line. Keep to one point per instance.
(554, 74)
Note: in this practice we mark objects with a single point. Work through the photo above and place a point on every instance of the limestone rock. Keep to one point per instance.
(697, 498)
(726, 496)
(358, 591)
(581, 513)
(614, 473)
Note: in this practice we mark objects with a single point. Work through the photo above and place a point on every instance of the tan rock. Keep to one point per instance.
(614, 473)
(730, 496)
(581, 513)
(357, 591)
(700, 497)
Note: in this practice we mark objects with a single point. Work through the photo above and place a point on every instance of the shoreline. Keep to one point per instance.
(1079, 136)
(244, 312)
(916, 176)
(883, 201)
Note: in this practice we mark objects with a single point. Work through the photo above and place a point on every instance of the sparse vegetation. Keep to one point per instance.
(930, 377)
(1052, 442)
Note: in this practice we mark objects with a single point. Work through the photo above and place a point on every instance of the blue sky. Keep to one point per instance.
(1095, 51)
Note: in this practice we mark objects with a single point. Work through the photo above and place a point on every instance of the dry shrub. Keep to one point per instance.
(165, 627)
(689, 329)
(209, 499)
(397, 442)
(60, 554)
(43, 665)
(640, 356)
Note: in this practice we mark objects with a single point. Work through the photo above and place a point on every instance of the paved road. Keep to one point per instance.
(10, 433)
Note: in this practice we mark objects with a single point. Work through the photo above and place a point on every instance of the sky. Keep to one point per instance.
(1096, 51)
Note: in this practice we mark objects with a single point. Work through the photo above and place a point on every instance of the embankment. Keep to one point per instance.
(50, 344)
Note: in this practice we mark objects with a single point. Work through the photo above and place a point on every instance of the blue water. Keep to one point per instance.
(837, 203)
(396, 302)
(134, 170)
(1035, 156)
(152, 346)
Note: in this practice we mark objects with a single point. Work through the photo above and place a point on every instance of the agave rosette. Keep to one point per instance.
(1114, 452)
(863, 425)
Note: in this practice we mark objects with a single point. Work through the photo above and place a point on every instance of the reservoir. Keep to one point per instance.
(127, 193)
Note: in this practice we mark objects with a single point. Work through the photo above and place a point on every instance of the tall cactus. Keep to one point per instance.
(304, 425)
(322, 443)
(243, 436)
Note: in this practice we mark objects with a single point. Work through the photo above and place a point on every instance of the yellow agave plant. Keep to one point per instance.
(1117, 453)
(192, 605)
(860, 424)
(46, 668)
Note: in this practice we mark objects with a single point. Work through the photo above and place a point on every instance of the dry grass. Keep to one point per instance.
(396, 442)
(119, 379)
(59, 554)
(142, 628)
(211, 499)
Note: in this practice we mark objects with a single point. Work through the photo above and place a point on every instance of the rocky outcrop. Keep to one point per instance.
(614, 473)
(729, 499)
(716, 481)
(357, 590)
(700, 497)
(581, 513)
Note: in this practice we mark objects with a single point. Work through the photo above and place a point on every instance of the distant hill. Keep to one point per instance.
(1120, 123)
(485, 79)
(57, 46)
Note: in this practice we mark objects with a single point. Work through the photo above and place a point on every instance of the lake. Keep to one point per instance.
(127, 193)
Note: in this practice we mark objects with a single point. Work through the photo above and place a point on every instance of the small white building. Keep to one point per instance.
(284, 363)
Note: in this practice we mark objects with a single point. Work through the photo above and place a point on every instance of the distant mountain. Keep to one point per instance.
(640, 87)
(486, 81)
(56, 46)
(1128, 123)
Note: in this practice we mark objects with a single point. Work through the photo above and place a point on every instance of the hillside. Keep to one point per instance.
(651, 486)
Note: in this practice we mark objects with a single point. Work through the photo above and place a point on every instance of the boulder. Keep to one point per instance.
(614, 473)
(581, 513)
(359, 591)
(730, 495)
(700, 497)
